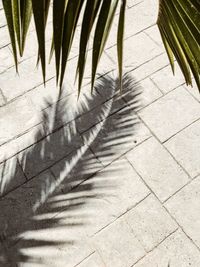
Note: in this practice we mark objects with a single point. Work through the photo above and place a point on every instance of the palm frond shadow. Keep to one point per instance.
(52, 212)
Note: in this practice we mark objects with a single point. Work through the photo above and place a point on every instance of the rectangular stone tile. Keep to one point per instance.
(99, 113)
(185, 147)
(171, 113)
(166, 81)
(44, 238)
(138, 49)
(11, 176)
(140, 16)
(76, 168)
(16, 118)
(154, 34)
(13, 85)
(42, 97)
(116, 135)
(177, 250)
(6, 59)
(151, 66)
(193, 90)
(157, 168)
(2, 16)
(149, 93)
(70, 107)
(5, 40)
(17, 207)
(92, 261)
(117, 245)
(150, 222)
(49, 150)
(2, 100)
(104, 197)
(22, 142)
(184, 207)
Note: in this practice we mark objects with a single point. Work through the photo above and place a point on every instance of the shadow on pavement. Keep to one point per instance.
(54, 210)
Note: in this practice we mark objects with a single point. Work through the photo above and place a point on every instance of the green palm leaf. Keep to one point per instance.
(178, 22)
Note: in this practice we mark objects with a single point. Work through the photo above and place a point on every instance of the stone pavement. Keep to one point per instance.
(111, 180)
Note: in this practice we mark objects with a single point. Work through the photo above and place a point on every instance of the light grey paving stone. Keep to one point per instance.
(2, 16)
(184, 207)
(153, 33)
(92, 261)
(45, 237)
(157, 167)
(105, 65)
(150, 222)
(115, 250)
(42, 97)
(5, 40)
(16, 118)
(193, 90)
(185, 147)
(75, 168)
(102, 198)
(11, 176)
(165, 79)
(62, 255)
(17, 207)
(72, 107)
(13, 85)
(171, 113)
(6, 59)
(177, 250)
(22, 142)
(99, 113)
(140, 16)
(2, 101)
(116, 135)
(50, 150)
(151, 66)
(149, 93)
(135, 55)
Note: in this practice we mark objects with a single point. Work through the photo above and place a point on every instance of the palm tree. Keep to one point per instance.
(178, 22)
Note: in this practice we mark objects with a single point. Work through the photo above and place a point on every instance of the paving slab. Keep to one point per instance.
(177, 250)
(11, 176)
(117, 251)
(158, 169)
(185, 147)
(150, 222)
(92, 261)
(171, 114)
(184, 206)
(16, 118)
(166, 81)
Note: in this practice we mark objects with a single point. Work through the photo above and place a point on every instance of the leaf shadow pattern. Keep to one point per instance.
(51, 213)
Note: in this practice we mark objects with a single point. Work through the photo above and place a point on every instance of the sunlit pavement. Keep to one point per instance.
(111, 179)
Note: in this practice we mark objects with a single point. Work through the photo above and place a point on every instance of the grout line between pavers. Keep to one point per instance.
(188, 183)
(180, 131)
(155, 194)
(85, 258)
(171, 216)
(156, 246)
(121, 215)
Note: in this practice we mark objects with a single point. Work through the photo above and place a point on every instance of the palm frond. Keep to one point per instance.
(179, 25)
(178, 21)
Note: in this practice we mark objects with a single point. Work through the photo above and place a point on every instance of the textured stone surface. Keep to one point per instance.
(185, 146)
(184, 206)
(110, 180)
(159, 170)
(171, 113)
